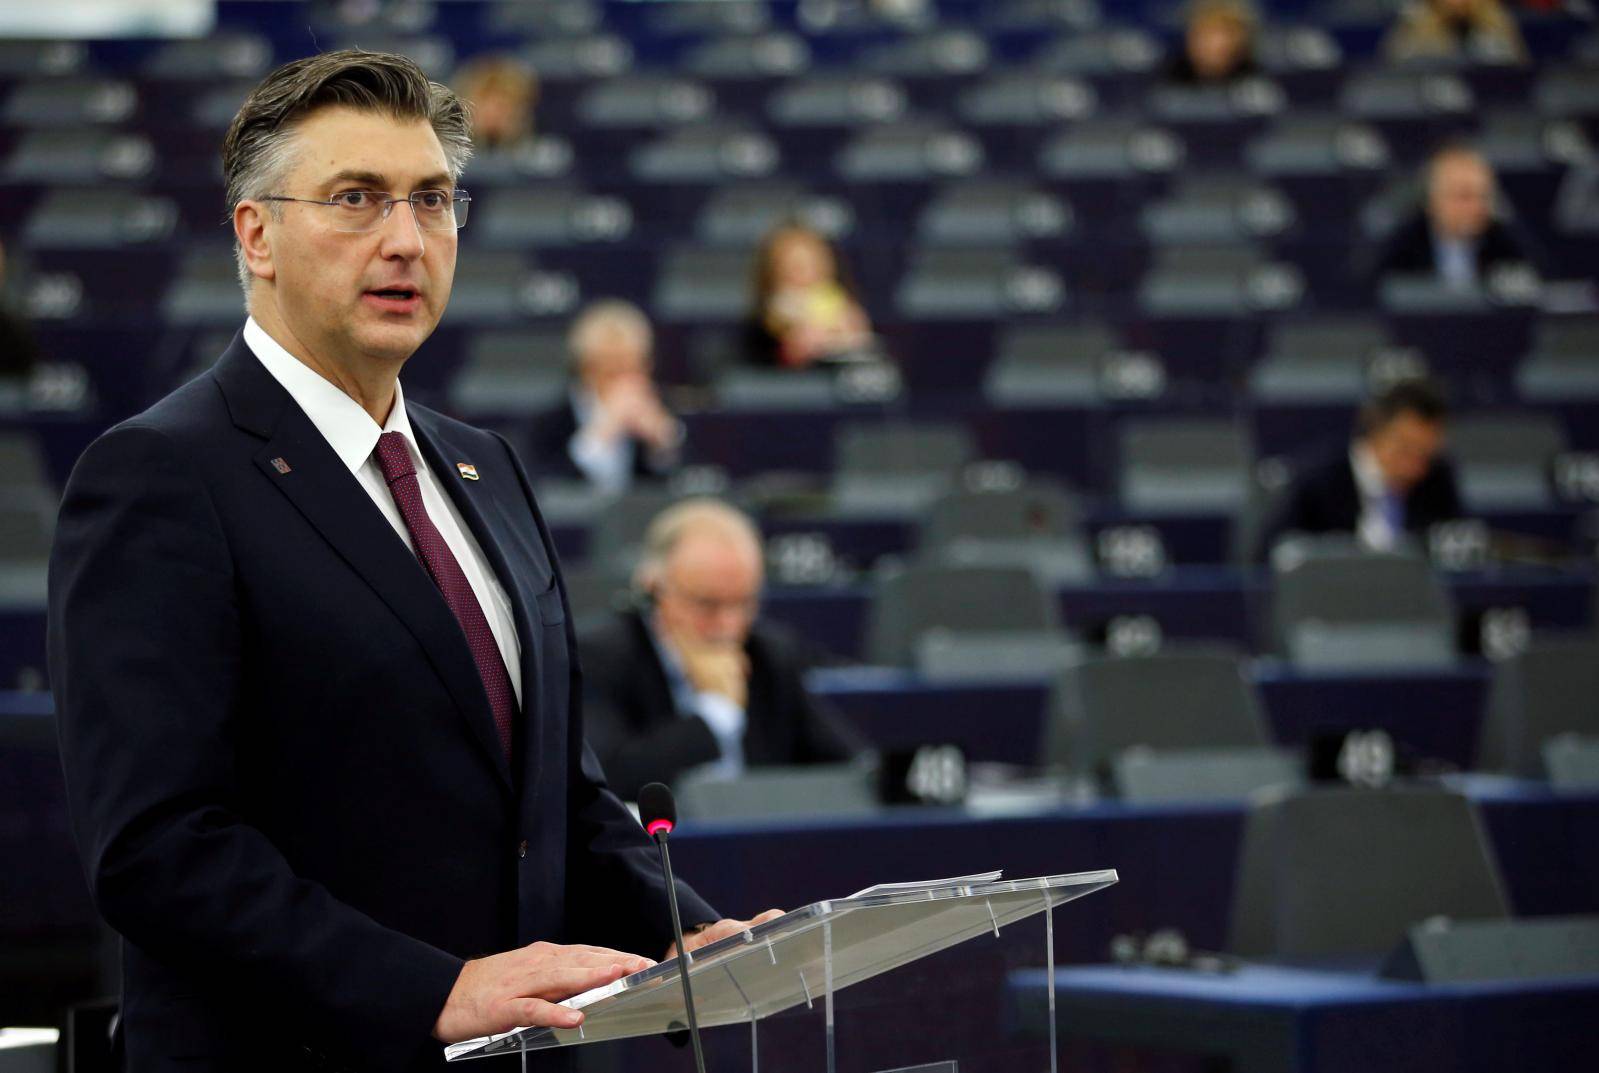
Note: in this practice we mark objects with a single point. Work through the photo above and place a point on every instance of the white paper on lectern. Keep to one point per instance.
(931, 884)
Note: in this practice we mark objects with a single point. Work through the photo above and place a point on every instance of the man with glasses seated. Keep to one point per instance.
(313, 670)
(689, 680)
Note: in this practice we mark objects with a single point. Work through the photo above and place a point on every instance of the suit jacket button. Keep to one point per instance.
(521, 849)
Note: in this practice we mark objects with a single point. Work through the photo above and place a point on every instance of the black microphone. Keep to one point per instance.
(658, 810)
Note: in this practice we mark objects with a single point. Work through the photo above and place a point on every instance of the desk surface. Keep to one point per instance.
(1275, 1019)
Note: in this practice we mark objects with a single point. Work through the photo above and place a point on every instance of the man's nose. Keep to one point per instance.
(402, 232)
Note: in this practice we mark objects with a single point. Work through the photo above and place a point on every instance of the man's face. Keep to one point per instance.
(1405, 449)
(710, 589)
(1460, 196)
(615, 358)
(354, 297)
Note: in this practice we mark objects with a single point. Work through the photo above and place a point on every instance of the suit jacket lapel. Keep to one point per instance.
(523, 576)
(333, 501)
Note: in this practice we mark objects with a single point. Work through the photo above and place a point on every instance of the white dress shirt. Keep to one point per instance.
(353, 435)
(725, 719)
(1373, 528)
(1456, 259)
(608, 466)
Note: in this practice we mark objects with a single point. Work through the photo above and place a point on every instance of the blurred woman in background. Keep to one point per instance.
(1456, 30)
(803, 312)
(1218, 45)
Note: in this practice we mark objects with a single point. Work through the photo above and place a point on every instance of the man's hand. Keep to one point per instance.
(720, 930)
(638, 408)
(722, 669)
(520, 988)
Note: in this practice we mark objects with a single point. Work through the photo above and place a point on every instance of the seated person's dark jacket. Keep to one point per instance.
(1323, 498)
(1179, 71)
(1409, 250)
(18, 351)
(550, 443)
(633, 725)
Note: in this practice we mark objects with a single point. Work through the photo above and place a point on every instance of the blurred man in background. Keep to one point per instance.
(690, 678)
(1392, 481)
(1455, 235)
(614, 427)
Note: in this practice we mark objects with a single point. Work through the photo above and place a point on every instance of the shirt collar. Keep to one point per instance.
(1368, 477)
(348, 428)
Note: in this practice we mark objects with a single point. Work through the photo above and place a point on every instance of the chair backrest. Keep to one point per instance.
(1329, 872)
(1192, 699)
(1231, 774)
(1342, 590)
(817, 789)
(22, 464)
(27, 525)
(912, 600)
(1552, 688)
(1196, 464)
(899, 448)
(1506, 439)
(1036, 511)
(1572, 761)
(1006, 656)
(618, 532)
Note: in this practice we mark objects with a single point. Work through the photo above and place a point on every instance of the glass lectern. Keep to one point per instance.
(804, 956)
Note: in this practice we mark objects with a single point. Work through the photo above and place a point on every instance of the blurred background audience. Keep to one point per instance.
(502, 92)
(1455, 236)
(1455, 30)
(1218, 45)
(690, 678)
(1389, 484)
(1160, 291)
(613, 427)
(804, 311)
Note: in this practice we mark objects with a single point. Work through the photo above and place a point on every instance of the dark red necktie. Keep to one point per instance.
(395, 461)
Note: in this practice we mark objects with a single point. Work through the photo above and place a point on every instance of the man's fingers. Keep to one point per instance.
(537, 1013)
(580, 954)
(557, 985)
(770, 914)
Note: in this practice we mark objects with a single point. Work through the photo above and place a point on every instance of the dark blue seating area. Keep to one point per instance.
(1064, 256)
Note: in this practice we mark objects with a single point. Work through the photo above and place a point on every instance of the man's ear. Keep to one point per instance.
(252, 229)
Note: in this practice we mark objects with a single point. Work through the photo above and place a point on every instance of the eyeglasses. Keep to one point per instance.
(365, 210)
(707, 606)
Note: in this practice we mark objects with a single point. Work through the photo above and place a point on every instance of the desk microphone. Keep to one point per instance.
(658, 810)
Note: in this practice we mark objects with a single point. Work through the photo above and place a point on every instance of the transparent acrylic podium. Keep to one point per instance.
(804, 957)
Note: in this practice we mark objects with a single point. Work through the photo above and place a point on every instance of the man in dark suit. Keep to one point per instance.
(1455, 237)
(1392, 480)
(312, 659)
(613, 427)
(691, 679)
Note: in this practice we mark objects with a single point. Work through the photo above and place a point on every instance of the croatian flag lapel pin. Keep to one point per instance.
(468, 470)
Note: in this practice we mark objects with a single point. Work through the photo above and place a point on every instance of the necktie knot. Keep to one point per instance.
(393, 457)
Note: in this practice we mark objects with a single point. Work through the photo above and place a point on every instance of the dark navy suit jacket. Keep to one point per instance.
(282, 767)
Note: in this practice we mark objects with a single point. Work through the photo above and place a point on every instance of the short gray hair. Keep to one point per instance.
(257, 151)
(672, 525)
(608, 314)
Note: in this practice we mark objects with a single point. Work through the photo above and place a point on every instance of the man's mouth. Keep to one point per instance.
(394, 299)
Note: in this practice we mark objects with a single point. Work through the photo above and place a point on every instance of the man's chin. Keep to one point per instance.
(394, 341)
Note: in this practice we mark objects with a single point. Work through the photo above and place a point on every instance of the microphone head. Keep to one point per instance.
(657, 808)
